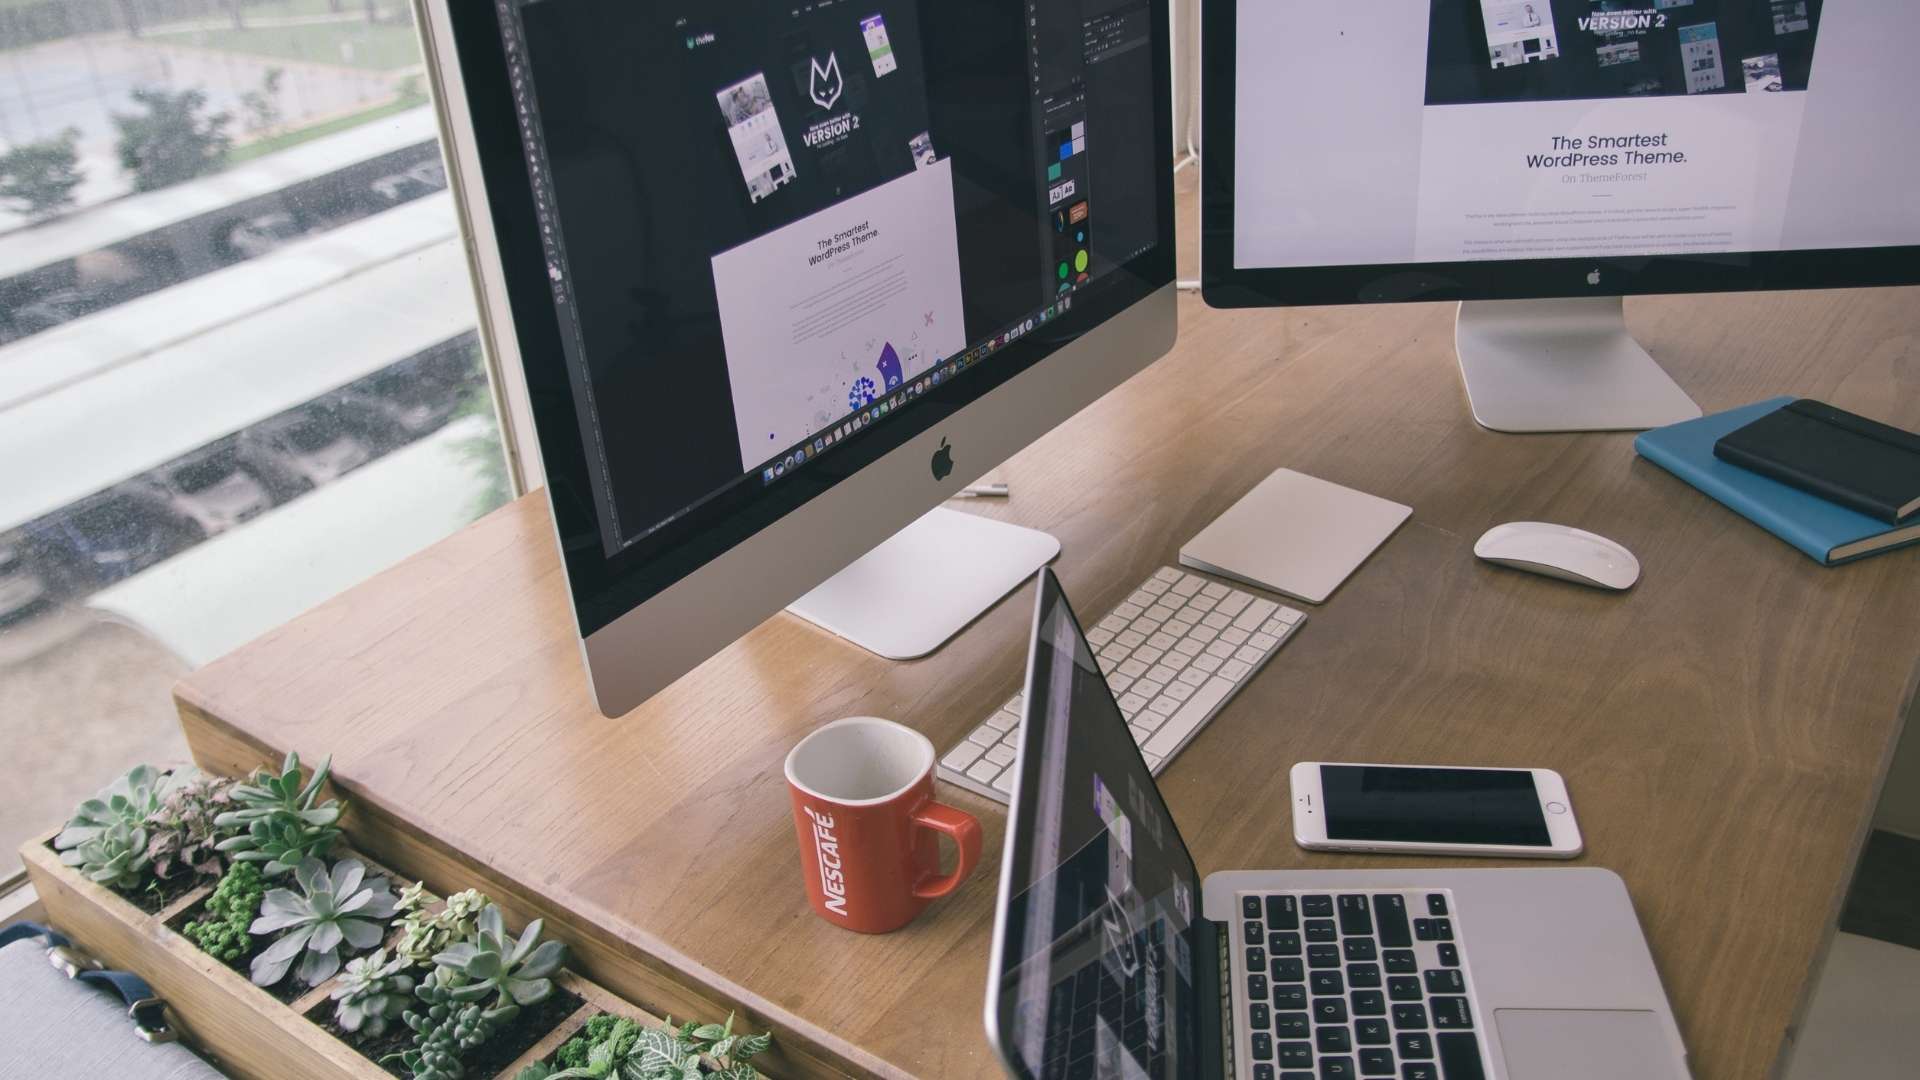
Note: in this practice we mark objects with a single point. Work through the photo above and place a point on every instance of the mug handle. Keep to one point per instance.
(964, 829)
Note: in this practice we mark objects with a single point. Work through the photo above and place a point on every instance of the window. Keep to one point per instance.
(239, 366)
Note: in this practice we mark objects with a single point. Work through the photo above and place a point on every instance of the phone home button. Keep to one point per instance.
(1556, 808)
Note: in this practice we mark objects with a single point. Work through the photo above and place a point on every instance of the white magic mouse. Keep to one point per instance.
(1558, 551)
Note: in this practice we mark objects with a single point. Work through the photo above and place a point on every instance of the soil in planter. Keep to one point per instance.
(286, 991)
(534, 1023)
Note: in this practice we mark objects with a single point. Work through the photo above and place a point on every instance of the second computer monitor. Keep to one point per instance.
(1484, 150)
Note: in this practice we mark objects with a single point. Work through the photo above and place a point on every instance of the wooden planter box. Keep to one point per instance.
(250, 1033)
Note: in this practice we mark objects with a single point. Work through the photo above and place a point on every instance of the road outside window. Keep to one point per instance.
(239, 369)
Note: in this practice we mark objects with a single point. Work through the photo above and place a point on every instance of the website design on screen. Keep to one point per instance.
(1525, 129)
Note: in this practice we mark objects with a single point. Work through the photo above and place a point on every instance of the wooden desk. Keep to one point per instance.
(1724, 727)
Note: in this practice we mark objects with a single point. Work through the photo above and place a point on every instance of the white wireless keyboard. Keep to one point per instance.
(1174, 652)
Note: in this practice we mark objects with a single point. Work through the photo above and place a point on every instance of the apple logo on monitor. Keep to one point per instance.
(1593, 277)
(942, 461)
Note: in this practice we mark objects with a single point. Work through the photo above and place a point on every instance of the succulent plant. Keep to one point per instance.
(283, 823)
(372, 992)
(334, 910)
(491, 964)
(127, 801)
(221, 930)
(423, 933)
(447, 1029)
(614, 1048)
(181, 832)
(114, 855)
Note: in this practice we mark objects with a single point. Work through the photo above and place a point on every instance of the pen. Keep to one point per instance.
(983, 491)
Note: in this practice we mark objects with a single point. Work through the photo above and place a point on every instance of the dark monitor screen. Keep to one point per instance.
(1104, 966)
(776, 240)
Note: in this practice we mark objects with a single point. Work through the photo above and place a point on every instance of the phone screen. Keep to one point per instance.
(1432, 806)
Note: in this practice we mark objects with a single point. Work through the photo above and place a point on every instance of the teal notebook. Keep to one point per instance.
(1826, 531)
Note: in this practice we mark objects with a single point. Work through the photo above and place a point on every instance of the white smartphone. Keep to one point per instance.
(1441, 810)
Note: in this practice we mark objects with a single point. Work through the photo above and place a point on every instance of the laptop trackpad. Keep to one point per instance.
(1585, 1044)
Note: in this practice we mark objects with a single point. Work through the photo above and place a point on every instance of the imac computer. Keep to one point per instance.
(1540, 160)
(784, 276)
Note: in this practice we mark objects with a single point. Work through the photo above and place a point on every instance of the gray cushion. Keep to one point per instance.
(52, 1026)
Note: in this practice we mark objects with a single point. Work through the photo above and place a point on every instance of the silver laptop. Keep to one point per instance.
(1111, 958)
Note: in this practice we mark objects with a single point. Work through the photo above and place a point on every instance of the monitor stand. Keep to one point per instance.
(905, 598)
(1562, 365)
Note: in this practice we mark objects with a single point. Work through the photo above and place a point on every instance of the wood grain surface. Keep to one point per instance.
(1724, 727)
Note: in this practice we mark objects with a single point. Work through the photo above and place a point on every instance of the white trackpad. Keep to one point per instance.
(1585, 1044)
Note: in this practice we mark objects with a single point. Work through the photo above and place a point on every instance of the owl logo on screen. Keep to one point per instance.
(824, 83)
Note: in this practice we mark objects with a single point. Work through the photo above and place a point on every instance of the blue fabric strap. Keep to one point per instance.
(148, 1012)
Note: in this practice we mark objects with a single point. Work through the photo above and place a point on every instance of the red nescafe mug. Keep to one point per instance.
(868, 826)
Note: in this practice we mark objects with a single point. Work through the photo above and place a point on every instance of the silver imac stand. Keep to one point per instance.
(924, 584)
(1562, 365)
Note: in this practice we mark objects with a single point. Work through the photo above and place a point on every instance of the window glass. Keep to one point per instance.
(239, 369)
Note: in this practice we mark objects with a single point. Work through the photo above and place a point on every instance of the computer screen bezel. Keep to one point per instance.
(604, 589)
(1017, 853)
(1224, 285)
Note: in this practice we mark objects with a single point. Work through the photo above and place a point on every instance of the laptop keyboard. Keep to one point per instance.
(1345, 985)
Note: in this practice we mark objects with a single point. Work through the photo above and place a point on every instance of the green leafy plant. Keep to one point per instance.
(40, 177)
(490, 964)
(424, 933)
(614, 1048)
(372, 992)
(173, 139)
(446, 1030)
(284, 823)
(182, 833)
(106, 839)
(334, 910)
(221, 930)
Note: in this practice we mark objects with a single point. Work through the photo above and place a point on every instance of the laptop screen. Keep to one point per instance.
(1103, 967)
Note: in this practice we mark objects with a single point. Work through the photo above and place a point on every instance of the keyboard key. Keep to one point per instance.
(1004, 782)
(1234, 604)
(1451, 1012)
(1001, 755)
(1415, 1044)
(1446, 981)
(1355, 917)
(1359, 948)
(1410, 1016)
(1333, 1040)
(1233, 635)
(1158, 676)
(984, 771)
(1179, 691)
(1423, 929)
(1283, 913)
(1460, 1056)
(1131, 702)
(960, 757)
(1250, 907)
(1263, 642)
(1283, 943)
(1208, 664)
(1400, 961)
(1098, 637)
(1436, 903)
(1419, 1070)
(1450, 955)
(1390, 910)
(1256, 958)
(1323, 956)
(983, 735)
(1318, 907)
(1291, 1025)
(1295, 1054)
(1443, 929)
(1369, 1003)
(1166, 575)
(1187, 585)
(1371, 1033)
(1129, 639)
(1163, 706)
(1259, 1016)
(1247, 654)
(1320, 930)
(1250, 931)
(1327, 982)
(1257, 986)
(1363, 976)
(1127, 611)
(1337, 1068)
(1403, 988)
(1235, 669)
(1255, 614)
(1376, 1062)
(1262, 1046)
(1287, 969)
(1290, 996)
(1263, 1071)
